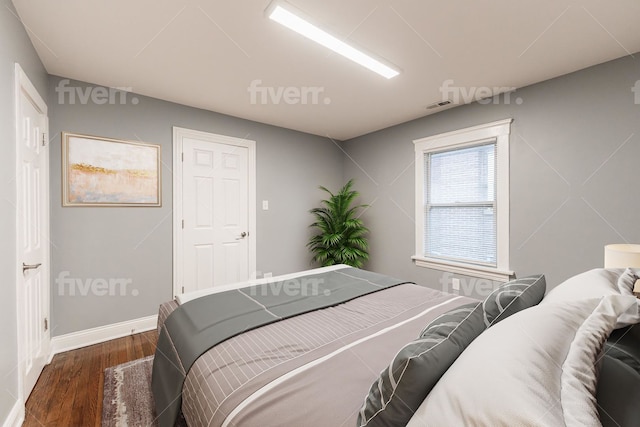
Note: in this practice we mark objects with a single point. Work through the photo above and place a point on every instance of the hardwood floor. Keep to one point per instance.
(69, 391)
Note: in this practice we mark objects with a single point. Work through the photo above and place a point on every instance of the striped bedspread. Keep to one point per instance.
(314, 369)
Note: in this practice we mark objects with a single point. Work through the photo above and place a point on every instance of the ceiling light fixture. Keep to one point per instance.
(277, 12)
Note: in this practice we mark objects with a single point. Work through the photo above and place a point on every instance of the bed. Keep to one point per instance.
(344, 347)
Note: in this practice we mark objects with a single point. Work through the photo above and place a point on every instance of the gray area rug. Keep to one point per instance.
(127, 398)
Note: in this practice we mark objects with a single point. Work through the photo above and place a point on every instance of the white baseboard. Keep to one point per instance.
(16, 416)
(101, 334)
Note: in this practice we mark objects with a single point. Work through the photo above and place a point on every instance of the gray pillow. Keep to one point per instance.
(513, 297)
(417, 367)
(618, 393)
(401, 388)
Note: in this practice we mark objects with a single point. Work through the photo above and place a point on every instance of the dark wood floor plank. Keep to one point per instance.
(69, 391)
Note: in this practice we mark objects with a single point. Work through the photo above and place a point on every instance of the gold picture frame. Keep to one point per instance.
(99, 171)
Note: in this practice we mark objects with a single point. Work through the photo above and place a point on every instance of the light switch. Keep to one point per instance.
(265, 205)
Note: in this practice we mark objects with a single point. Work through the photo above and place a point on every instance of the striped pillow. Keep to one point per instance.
(401, 388)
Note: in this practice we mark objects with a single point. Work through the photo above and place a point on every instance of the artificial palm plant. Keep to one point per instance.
(340, 238)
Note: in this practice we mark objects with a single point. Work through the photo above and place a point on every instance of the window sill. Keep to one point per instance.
(464, 269)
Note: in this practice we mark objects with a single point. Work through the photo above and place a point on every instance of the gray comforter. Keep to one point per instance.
(313, 369)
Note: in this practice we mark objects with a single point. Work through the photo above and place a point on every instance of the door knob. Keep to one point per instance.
(26, 267)
(242, 235)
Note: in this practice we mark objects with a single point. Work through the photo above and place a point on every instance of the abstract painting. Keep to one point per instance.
(109, 172)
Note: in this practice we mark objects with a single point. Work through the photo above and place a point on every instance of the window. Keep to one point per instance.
(462, 201)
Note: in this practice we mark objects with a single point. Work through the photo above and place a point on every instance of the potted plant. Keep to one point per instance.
(340, 238)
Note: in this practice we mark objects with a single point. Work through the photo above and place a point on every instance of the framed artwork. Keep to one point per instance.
(100, 171)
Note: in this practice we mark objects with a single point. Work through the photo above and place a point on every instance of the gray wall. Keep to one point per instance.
(575, 147)
(15, 47)
(136, 243)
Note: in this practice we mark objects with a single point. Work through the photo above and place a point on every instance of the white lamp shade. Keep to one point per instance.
(621, 256)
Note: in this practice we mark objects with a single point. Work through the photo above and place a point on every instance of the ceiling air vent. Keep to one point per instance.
(438, 105)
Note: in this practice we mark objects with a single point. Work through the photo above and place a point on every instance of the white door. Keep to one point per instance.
(215, 206)
(32, 207)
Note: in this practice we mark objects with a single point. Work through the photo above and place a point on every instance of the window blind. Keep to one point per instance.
(460, 204)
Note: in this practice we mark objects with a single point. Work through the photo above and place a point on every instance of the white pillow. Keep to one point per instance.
(627, 280)
(591, 284)
(597, 283)
(535, 368)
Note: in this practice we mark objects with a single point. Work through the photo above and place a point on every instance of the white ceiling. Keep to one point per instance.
(206, 53)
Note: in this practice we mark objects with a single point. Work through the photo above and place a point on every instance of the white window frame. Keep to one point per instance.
(499, 132)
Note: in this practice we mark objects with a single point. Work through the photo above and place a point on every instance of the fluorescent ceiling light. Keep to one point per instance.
(310, 31)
